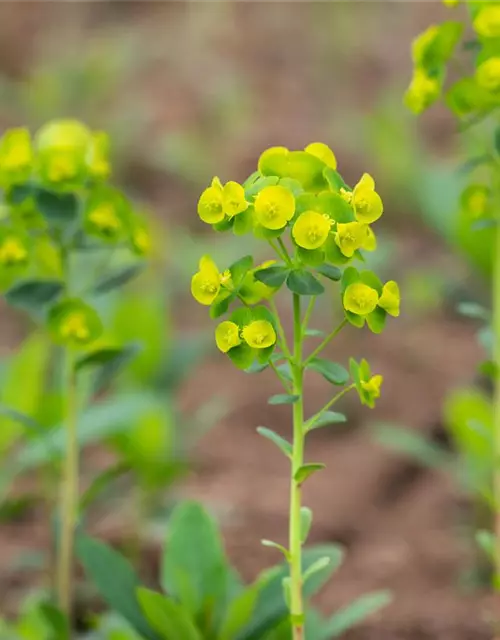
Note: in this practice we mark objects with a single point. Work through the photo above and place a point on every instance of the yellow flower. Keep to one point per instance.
(360, 299)
(390, 298)
(367, 203)
(274, 207)
(16, 152)
(227, 336)
(206, 284)
(370, 243)
(12, 251)
(233, 199)
(350, 237)
(311, 229)
(323, 152)
(210, 204)
(141, 241)
(75, 327)
(259, 334)
(371, 389)
(451, 3)
(61, 167)
(422, 92)
(98, 161)
(476, 200)
(488, 74)
(487, 22)
(63, 147)
(105, 218)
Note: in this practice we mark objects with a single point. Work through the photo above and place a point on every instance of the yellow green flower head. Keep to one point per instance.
(422, 42)
(476, 200)
(487, 22)
(311, 229)
(350, 237)
(141, 240)
(371, 388)
(74, 323)
(360, 299)
(488, 74)
(370, 243)
(105, 218)
(259, 334)
(367, 386)
(210, 204)
(366, 201)
(422, 92)
(13, 251)
(274, 207)
(16, 156)
(451, 3)
(98, 156)
(206, 284)
(227, 336)
(233, 199)
(323, 152)
(390, 298)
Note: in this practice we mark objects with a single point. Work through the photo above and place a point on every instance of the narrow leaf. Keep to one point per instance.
(167, 617)
(474, 311)
(307, 470)
(306, 517)
(355, 613)
(31, 295)
(101, 482)
(314, 333)
(331, 371)
(118, 278)
(283, 398)
(275, 545)
(325, 419)
(319, 565)
(330, 272)
(280, 442)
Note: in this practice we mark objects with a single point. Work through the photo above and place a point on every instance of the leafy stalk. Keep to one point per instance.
(496, 427)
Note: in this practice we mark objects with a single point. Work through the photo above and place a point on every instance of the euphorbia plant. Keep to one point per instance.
(59, 215)
(474, 98)
(316, 227)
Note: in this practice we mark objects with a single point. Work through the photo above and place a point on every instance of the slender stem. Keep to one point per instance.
(285, 250)
(307, 316)
(281, 255)
(282, 379)
(496, 430)
(281, 332)
(69, 493)
(295, 544)
(312, 421)
(326, 341)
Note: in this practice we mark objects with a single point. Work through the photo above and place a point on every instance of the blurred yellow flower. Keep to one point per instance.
(233, 199)
(12, 251)
(210, 204)
(371, 388)
(487, 22)
(74, 327)
(206, 284)
(488, 74)
(350, 237)
(366, 201)
(422, 92)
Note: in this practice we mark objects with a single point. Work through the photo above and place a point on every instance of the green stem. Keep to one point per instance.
(307, 316)
(295, 544)
(285, 250)
(496, 429)
(312, 421)
(281, 377)
(281, 332)
(281, 255)
(325, 342)
(69, 493)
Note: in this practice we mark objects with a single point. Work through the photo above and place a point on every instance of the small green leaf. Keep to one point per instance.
(283, 398)
(239, 611)
(57, 621)
(330, 272)
(307, 470)
(474, 311)
(304, 283)
(331, 371)
(101, 482)
(306, 517)
(242, 356)
(325, 419)
(280, 442)
(314, 333)
(239, 269)
(221, 304)
(355, 613)
(57, 208)
(319, 565)
(30, 295)
(489, 369)
(275, 545)
(167, 617)
(273, 276)
(287, 591)
(98, 358)
(486, 542)
(118, 278)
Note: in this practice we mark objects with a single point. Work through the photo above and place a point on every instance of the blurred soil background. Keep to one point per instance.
(188, 90)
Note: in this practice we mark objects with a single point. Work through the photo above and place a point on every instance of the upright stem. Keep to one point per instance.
(68, 511)
(295, 544)
(496, 429)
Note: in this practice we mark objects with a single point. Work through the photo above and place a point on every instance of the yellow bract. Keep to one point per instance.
(422, 92)
(98, 162)
(75, 327)
(360, 299)
(259, 334)
(323, 152)
(233, 199)
(12, 251)
(105, 218)
(227, 336)
(476, 200)
(370, 243)
(367, 203)
(390, 298)
(487, 22)
(210, 207)
(16, 152)
(141, 241)
(372, 386)
(350, 237)
(274, 207)
(61, 167)
(311, 229)
(488, 74)
(205, 285)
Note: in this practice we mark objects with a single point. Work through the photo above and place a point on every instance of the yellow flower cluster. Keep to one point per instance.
(258, 334)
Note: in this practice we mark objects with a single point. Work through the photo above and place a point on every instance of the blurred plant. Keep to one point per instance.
(203, 597)
(299, 205)
(59, 205)
(474, 100)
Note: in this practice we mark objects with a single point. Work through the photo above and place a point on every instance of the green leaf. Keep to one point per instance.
(355, 613)
(101, 482)
(239, 612)
(326, 419)
(280, 442)
(376, 320)
(98, 358)
(306, 517)
(307, 470)
(283, 398)
(59, 625)
(331, 371)
(118, 278)
(239, 269)
(474, 311)
(311, 257)
(57, 208)
(487, 543)
(304, 283)
(335, 180)
(329, 271)
(275, 545)
(115, 580)
(110, 362)
(273, 276)
(194, 568)
(412, 444)
(318, 565)
(31, 295)
(167, 617)
(314, 333)
(242, 356)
